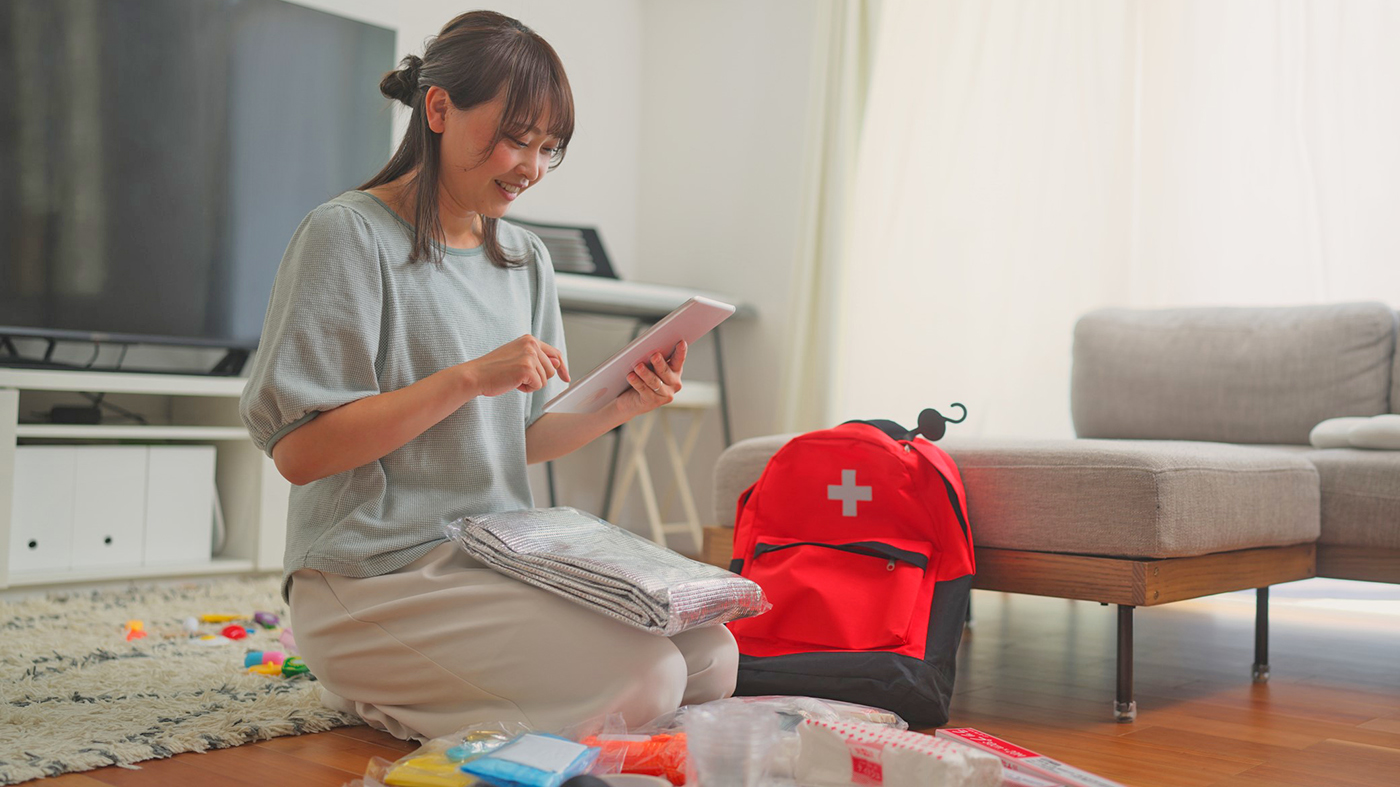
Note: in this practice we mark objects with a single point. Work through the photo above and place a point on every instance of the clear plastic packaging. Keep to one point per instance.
(729, 744)
(438, 763)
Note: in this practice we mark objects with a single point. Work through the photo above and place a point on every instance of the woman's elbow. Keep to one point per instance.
(291, 465)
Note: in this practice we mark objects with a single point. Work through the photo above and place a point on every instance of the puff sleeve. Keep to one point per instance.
(321, 337)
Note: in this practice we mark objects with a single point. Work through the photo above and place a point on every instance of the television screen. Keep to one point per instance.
(157, 155)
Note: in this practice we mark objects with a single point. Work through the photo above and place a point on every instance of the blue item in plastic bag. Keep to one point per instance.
(534, 759)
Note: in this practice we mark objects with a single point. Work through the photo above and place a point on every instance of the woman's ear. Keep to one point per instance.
(435, 104)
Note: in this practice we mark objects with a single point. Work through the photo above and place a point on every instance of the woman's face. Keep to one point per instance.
(474, 179)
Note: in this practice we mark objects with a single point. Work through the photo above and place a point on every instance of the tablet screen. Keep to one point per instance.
(690, 321)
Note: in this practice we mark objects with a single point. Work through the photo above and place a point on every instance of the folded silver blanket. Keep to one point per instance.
(607, 569)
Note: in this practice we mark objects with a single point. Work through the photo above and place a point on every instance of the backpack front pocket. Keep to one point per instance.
(858, 595)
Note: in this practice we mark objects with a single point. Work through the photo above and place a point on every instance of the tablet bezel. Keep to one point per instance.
(608, 380)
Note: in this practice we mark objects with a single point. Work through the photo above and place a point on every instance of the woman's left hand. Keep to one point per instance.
(654, 383)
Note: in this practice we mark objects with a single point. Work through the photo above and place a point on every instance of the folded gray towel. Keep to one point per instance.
(607, 569)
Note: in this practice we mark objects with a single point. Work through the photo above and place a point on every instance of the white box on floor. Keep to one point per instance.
(179, 504)
(109, 506)
(41, 514)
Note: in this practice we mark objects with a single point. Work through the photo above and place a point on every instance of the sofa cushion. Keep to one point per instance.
(1256, 375)
(1136, 498)
(1106, 497)
(738, 468)
(1360, 497)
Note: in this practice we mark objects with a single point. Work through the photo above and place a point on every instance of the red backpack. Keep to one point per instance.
(858, 536)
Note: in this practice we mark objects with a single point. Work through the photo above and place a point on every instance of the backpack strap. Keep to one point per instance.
(736, 562)
(891, 429)
(952, 481)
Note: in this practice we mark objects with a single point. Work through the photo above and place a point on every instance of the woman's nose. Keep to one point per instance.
(531, 167)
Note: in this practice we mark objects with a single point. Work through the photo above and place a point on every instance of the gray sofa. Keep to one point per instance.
(1192, 473)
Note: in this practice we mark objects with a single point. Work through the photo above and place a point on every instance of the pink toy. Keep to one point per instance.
(255, 657)
(288, 642)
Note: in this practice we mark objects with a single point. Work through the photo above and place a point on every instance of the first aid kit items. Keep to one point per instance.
(1021, 762)
(845, 753)
(607, 569)
(533, 760)
(859, 537)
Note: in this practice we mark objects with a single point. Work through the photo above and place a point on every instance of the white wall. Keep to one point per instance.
(724, 101)
(600, 44)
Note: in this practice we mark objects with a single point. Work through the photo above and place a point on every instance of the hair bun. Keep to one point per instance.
(402, 85)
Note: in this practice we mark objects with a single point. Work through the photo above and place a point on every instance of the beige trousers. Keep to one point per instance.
(446, 642)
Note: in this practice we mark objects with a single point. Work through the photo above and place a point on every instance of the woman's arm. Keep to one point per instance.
(553, 435)
(368, 429)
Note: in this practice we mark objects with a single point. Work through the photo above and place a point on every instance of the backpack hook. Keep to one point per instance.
(933, 424)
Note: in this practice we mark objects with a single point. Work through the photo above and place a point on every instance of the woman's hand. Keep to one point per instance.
(653, 383)
(521, 365)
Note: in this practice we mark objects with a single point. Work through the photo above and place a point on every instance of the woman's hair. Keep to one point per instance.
(477, 56)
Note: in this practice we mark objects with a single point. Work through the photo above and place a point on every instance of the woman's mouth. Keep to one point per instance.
(509, 190)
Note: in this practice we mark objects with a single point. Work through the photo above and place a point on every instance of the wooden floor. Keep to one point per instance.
(1039, 672)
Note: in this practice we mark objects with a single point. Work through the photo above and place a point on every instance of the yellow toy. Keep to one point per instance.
(222, 618)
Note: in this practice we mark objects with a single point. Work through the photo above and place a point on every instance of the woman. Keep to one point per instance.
(411, 341)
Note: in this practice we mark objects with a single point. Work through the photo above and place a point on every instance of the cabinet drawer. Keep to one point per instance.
(179, 504)
(41, 516)
(109, 507)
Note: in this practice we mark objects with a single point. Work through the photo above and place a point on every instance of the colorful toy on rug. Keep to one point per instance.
(288, 641)
(266, 619)
(289, 667)
(254, 658)
(134, 629)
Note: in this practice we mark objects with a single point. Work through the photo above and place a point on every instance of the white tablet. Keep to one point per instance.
(691, 320)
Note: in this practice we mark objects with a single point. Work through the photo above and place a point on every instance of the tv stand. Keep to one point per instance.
(230, 365)
(187, 409)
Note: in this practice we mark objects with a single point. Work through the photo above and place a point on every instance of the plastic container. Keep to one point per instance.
(729, 745)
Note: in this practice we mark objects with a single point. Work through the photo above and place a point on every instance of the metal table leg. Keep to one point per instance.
(1125, 707)
(1261, 635)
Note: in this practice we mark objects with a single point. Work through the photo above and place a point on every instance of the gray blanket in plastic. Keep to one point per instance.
(608, 569)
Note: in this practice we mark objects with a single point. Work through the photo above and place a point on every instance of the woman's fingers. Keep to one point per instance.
(665, 373)
(556, 361)
(678, 357)
(649, 378)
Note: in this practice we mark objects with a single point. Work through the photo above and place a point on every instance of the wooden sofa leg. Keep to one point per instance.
(1125, 707)
(1261, 635)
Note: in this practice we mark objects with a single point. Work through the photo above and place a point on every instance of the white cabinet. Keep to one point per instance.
(109, 506)
(43, 484)
(179, 504)
(132, 492)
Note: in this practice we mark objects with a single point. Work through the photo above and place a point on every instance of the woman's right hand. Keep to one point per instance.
(521, 365)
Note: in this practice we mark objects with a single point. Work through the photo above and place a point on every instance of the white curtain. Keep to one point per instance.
(841, 60)
(1022, 162)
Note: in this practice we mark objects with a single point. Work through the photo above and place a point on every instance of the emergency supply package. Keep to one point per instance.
(611, 571)
(859, 537)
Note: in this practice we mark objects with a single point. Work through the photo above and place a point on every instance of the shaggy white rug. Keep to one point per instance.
(76, 695)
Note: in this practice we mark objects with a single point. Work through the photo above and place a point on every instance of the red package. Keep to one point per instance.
(652, 755)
